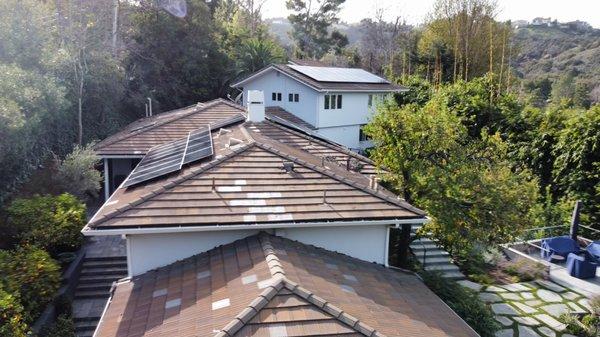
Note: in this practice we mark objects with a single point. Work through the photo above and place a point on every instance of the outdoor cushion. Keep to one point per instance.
(594, 249)
(580, 267)
(560, 245)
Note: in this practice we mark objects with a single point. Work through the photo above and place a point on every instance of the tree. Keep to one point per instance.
(577, 165)
(77, 173)
(11, 315)
(310, 22)
(255, 54)
(467, 184)
(176, 61)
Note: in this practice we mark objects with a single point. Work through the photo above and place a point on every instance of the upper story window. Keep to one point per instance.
(294, 97)
(276, 96)
(370, 101)
(333, 102)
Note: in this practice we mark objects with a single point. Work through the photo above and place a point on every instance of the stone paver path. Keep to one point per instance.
(530, 309)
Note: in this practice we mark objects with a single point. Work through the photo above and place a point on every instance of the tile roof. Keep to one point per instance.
(326, 86)
(267, 286)
(247, 184)
(276, 111)
(138, 137)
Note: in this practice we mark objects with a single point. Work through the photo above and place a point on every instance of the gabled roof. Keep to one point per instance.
(246, 184)
(140, 136)
(265, 285)
(320, 85)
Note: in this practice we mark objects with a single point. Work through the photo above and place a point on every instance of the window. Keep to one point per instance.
(279, 96)
(291, 97)
(274, 96)
(362, 136)
(296, 97)
(370, 101)
(333, 101)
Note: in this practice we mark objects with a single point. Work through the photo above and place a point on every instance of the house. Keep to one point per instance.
(335, 102)
(254, 228)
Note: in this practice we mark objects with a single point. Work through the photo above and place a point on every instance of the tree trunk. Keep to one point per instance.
(80, 113)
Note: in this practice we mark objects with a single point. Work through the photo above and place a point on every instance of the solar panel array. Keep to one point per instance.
(170, 157)
(331, 74)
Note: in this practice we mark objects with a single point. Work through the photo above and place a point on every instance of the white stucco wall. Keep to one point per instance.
(150, 251)
(272, 81)
(367, 243)
(346, 135)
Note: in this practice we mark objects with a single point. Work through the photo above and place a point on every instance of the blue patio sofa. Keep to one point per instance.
(581, 266)
(560, 245)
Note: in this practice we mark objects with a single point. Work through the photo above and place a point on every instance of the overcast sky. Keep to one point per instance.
(414, 11)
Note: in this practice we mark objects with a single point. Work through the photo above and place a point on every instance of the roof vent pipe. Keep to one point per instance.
(256, 106)
(149, 106)
(373, 183)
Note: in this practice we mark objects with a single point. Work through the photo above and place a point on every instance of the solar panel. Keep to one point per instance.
(331, 74)
(168, 158)
(160, 160)
(226, 122)
(199, 145)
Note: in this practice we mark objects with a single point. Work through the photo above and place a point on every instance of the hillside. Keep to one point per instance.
(554, 51)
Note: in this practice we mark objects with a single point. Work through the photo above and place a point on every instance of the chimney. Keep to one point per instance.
(256, 106)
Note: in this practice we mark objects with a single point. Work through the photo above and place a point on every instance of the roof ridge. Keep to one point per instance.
(157, 124)
(145, 197)
(333, 175)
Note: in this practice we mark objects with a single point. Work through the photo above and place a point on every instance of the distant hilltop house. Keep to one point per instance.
(332, 102)
(238, 222)
(542, 22)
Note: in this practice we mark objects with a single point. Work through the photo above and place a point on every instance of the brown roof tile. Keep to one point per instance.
(140, 136)
(312, 299)
(247, 184)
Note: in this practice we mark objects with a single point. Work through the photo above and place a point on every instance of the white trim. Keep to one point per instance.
(106, 181)
(87, 231)
(386, 254)
(129, 263)
(121, 156)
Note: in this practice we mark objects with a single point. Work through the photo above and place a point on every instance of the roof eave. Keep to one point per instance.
(90, 231)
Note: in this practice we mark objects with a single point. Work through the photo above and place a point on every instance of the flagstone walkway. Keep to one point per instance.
(530, 309)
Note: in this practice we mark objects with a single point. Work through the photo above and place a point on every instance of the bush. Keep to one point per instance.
(32, 274)
(77, 174)
(11, 316)
(524, 270)
(464, 302)
(50, 222)
(63, 327)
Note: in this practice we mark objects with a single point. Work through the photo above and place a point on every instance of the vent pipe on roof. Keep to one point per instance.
(373, 184)
(256, 106)
(149, 106)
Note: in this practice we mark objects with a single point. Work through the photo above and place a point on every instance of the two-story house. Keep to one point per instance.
(334, 102)
(252, 228)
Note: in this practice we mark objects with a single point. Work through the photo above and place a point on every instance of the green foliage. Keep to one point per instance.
(50, 222)
(32, 274)
(464, 302)
(466, 183)
(310, 22)
(577, 166)
(63, 327)
(524, 270)
(254, 54)
(77, 173)
(420, 91)
(11, 315)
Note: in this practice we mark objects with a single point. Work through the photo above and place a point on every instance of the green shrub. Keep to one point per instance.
(77, 173)
(63, 327)
(50, 222)
(32, 274)
(524, 270)
(11, 316)
(464, 302)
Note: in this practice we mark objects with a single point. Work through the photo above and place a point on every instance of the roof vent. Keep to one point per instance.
(256, 106)
(233, 142)
(288, 166)
(373, 183)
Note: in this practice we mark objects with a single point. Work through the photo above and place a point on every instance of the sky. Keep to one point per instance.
(415, 11)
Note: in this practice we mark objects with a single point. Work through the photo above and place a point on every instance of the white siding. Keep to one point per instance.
(150, 251)
(273, 81)
(367, 243)
(355, 110)
(346, 135)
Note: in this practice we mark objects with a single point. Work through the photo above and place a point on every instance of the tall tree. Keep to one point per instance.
(311, 22)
